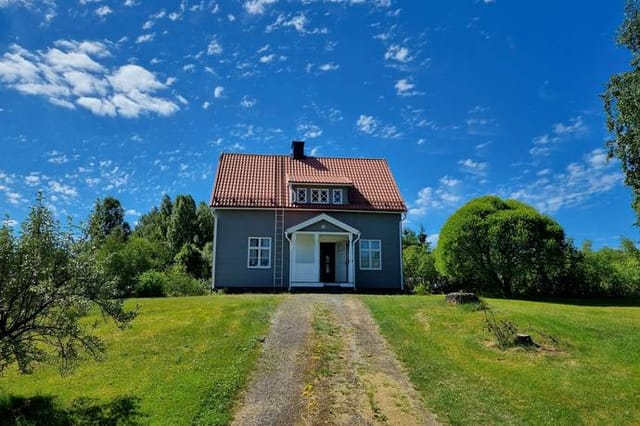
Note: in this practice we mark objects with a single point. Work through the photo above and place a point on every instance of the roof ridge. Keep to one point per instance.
(308, 156)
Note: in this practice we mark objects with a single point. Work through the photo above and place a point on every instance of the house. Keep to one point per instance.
(296, 221)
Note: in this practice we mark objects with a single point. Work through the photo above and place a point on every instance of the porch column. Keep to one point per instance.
(352, 263)
(292, 259)
(316, 255)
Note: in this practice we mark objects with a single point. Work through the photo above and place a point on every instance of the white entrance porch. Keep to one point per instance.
(322, 253)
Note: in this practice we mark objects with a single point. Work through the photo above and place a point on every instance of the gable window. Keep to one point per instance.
(301, 195)
(337, 196)
(320, 196)
(259, 255)
(370, 254)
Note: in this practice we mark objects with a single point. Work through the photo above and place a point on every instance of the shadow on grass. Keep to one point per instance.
(44, 410)
(595, 301)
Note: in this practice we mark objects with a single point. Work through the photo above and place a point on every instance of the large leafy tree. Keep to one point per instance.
(106, 219)
(502, 246)
(183, 223)
(48, 280)
(622, 105)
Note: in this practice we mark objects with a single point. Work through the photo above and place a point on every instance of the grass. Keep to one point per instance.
(183, 361)
(587, 371)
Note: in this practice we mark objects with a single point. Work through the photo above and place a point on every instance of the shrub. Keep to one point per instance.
(180, 283)
(151, 284)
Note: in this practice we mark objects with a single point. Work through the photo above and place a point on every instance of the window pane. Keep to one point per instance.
(253, 261)
(264, 258)
(324, 195)
(337, 196)
(315, 196)
(253, 242)
(265, 242)
(375, 259)
(375, 245)
(302, 195)
(364, 245)
(364, 259)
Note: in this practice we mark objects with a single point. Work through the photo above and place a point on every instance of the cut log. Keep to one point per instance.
(524, 340)
(461, 298)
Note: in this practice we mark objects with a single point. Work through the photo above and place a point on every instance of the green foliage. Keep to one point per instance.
(504, 331)
(49, 280)
(107, 219)
(611, 272)
(622, 108)
(502, 246)
(151, 284)
(419, 269)
(125, 261)
(180, 283)
(204, 218)
(183, 224)
(191, 259)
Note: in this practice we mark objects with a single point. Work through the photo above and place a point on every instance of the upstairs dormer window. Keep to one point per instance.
(337, 196)
(320, 196)
(301, 195)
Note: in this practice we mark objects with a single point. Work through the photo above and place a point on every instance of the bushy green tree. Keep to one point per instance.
(622, 107)
(204, 218)
(107, 219)
(183, 224)
(48, 280)
(502, 246)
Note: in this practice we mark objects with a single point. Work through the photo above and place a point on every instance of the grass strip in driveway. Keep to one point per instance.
(183, 361)
(589, 374)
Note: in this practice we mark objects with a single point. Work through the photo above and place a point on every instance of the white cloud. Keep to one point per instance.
(205, 105)
(218, 92)
(575, 185)
(247, 102)
(309, 131)
(575, 126)
(214, 48)
(68, 74)
(257, 7)
(56, 157)
(371, 126)
(267, 58)
(298, 22)
(405, 88)
(103, 11)
(328, 67)
(476, 168)
(397, 53)
(445, 195)
(62, 189)
(145, 38)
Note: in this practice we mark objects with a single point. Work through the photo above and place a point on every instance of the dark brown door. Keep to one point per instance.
(328, 262)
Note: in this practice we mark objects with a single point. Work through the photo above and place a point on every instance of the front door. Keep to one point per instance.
(328, 262)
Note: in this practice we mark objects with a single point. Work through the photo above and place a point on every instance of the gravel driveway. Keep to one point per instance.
(345, 376)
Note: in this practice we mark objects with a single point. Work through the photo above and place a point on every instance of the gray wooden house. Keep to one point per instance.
(296, 221)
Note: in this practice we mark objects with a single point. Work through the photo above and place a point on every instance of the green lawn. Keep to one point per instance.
(589, 374)
(183, 361)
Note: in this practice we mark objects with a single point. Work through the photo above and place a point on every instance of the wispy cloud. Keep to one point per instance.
(257, 7)
(446, 195)
(475, 168)
(372, 126)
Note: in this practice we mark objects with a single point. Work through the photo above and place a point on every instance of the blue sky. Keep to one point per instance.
(135, 98)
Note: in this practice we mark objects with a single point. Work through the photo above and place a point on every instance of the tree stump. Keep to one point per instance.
(524, 340)
(459, 298)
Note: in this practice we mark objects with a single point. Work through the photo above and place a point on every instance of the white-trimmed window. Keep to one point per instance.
(301, 195)
(320, 196)
(370, 254)
(259, 254)
(337, 196)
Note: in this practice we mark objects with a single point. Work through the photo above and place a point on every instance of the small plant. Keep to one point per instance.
(504, 331)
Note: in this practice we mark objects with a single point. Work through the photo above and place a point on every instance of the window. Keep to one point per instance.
(320, 196)
(370, 254)
(337, 196)
(259, 255)
(301, 195)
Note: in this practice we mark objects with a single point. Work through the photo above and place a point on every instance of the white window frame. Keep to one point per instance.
(338, 200)
(322, 195)
(260, 249)
(304, 197)
(368, 251)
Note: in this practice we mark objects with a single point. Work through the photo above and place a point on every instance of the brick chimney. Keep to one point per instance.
(297, 150)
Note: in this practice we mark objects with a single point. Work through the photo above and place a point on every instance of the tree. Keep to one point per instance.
(107, 218)
(49, 279)
(183, 225)
(502, 246)
(205, 224)
(622, 107)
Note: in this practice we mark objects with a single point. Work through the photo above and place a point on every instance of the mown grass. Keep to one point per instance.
(183, 361)
(587, 373)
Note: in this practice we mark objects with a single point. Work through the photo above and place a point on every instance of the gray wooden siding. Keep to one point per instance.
(236, 226)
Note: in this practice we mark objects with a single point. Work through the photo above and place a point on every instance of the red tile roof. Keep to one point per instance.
(259, 181)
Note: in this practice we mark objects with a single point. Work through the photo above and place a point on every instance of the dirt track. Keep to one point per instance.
(325, 362)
